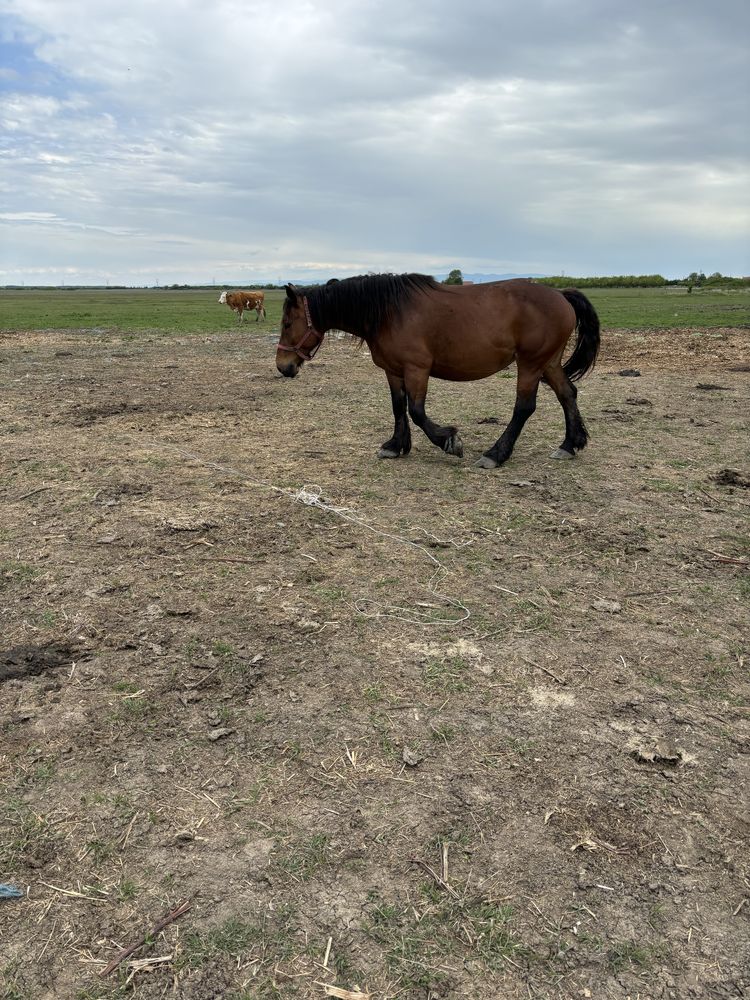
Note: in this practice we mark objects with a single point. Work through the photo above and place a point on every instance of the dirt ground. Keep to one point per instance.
(409, 727)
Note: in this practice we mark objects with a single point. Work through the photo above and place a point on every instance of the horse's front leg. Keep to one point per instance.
(526, 390)
(400, 443)
(445, 438)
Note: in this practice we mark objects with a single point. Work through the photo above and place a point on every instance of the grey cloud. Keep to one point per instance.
(584, 135)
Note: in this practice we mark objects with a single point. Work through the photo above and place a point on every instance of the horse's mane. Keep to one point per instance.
(364, 304)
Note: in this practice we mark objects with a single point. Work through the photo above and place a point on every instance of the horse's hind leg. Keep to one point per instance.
(576, 434)
(445, 438)
(526, 390)
(400, 443)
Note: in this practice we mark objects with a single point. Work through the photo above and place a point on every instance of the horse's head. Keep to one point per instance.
(299, 339)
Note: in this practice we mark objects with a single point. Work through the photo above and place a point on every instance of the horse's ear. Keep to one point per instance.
(291, 293)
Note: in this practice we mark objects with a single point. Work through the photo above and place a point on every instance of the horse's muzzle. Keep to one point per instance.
(289, 370)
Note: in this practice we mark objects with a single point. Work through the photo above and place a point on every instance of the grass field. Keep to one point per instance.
(198, 311)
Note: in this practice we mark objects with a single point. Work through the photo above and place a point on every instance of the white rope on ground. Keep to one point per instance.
(311, 495)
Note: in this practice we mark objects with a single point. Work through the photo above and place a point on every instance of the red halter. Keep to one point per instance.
(311, 331)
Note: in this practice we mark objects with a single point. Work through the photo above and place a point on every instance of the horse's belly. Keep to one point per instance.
(470, 369)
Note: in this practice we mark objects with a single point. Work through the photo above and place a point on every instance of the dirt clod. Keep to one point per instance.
(31, 661)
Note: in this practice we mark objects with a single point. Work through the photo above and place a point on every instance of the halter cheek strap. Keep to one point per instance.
(311, 332)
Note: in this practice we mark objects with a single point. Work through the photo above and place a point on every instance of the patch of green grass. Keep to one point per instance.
(23, 834)
(234, 937)
(373, 693)
(657, 917)
(384, 729)
(718, 673)
(653, 676)
(457, 836)
(125, 687)
(115, 991)
(133, 709)
(100, 850)
(536, 619)
(12, 571)
(123, 804)
(127, 889)
(450, 675)
(42, 774)
(270, 938)
(443, 733)
(328, 592)
(10, 984)
(738, 538)
(520, 746)
(663, 486)
(292, 749)
(626, 954)
(382, 914)
(232, 662)
(306, 858)
(448, 931)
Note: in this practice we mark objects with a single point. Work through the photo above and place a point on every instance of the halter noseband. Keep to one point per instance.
(311, 331)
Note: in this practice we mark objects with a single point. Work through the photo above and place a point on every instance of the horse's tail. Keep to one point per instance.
(588, 336)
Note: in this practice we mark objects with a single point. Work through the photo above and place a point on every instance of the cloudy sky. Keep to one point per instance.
(253, 140)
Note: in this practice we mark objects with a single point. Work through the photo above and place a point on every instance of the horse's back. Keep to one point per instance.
(468, 332)
(514, 303)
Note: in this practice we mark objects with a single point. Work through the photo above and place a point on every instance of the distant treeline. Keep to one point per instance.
(695, 280)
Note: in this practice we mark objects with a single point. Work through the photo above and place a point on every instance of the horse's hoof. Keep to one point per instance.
(485, 462)
(562, 455)
(387, 453)
(454, 446)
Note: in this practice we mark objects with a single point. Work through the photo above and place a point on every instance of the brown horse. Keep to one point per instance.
(240, 301)
(416, 328)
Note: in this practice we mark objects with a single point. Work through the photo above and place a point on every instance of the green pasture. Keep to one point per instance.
(671, 307)
(130, 310)
(186, 310)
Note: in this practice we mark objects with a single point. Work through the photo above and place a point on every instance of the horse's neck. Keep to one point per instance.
(351, 328)
(336, 319)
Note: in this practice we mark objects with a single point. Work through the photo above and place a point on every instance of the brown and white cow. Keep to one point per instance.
(240, 301)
